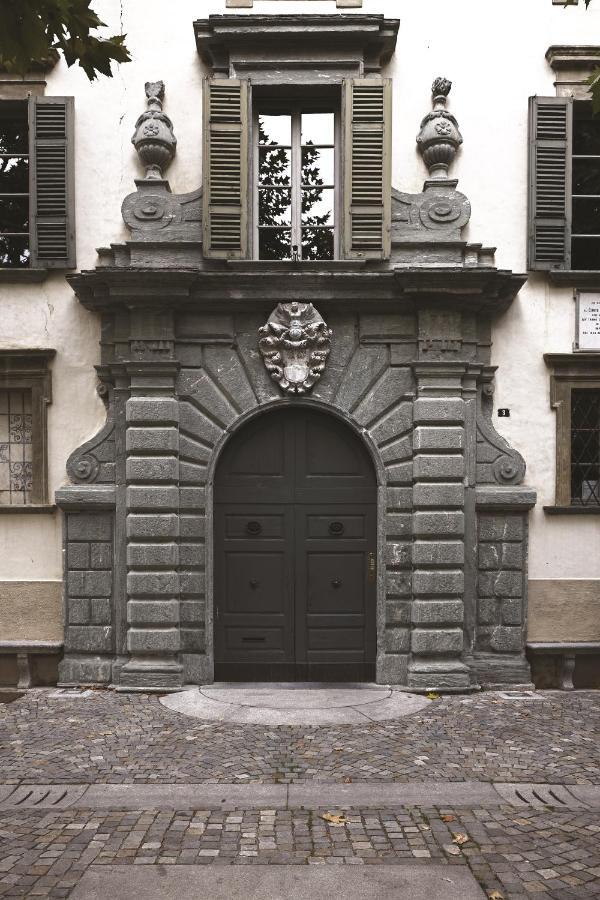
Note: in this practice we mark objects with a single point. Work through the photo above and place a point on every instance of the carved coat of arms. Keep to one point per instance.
(294, 345)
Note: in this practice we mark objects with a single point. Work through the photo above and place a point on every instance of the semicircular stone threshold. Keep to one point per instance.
(292, 705)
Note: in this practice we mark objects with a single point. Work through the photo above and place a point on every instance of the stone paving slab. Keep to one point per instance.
(293, 705)
(266, 883)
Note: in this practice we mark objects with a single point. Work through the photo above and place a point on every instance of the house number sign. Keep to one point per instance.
(587, 335)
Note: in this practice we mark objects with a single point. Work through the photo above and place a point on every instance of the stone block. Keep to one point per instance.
(89, 527)
(153, 612)
(500, 584)
(432, 438)
(439, 524)
(438, 553)
(101, 555)
(151, 440)
(192, 612)
(398, 584)
(438, 612)
(193, 640)
(157, 498)
(512, 612)
(398, 553)
(440, 495)
(191, 555)
(191, 582)
(438, 582)
(506, 639)
(500, 527)
(192, 526)
(397, 640)
(192, 498)
(162, 584)
(84, 671)
(398, 421)
(438, 467)
(400, 473)
(438, 409)
(392, 668)
(398, 450)
(101, 611)
(152, 526)
(151, 556)
(79, 611)
(89, 638)
(488, 612)
(152, 469)
(397, 612)
(153, 640)
(152, 410)
(78, 555)
(512, 556)
(89, 584)
(488, 556)
(438, 675)
(398, 525)
(437, 640)
(399, 498)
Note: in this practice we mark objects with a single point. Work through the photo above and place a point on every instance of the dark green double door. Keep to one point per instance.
(295, 539)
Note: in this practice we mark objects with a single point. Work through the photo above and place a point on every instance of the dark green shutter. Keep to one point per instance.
(52, 198)
(225, 168)
(367, 168)
(550, 128)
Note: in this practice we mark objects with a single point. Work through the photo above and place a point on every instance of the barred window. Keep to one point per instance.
(585, 447)
(16, 464)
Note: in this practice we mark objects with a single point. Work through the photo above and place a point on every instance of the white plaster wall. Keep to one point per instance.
(494, 53)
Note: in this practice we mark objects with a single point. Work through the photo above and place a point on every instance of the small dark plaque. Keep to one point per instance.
(504, 413)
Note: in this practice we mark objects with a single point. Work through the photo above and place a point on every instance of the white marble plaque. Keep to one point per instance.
(588, 321)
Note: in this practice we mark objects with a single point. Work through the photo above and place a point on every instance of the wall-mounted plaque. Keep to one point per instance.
(587, 325)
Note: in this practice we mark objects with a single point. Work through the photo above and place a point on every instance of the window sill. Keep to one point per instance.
(572, 510)
(306, 265)
(23, 276)
(28, 508)
(575, 277)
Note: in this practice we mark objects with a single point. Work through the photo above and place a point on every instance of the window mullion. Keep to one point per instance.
(296, 182)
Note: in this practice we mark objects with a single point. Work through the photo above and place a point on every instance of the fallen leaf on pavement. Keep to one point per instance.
(495, 895)
(459, 838)
(452, 850)
(433, 695)
(448, 818)
(347, 780)
(333, 820)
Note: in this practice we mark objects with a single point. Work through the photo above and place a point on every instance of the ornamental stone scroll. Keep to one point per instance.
(294, 345)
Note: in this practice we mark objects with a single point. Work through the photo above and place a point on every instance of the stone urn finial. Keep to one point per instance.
(439, 137)
(153, 137)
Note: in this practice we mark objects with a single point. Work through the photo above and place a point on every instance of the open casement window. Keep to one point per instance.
(37, 227)
(564, 185)
(307, 188)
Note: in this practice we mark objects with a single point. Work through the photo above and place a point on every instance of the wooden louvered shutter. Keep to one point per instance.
(225, 168)
(550, 128)
(367, 167)
(52, 198)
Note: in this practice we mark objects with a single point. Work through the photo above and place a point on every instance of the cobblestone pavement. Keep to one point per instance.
(109, 737)
(544, 854)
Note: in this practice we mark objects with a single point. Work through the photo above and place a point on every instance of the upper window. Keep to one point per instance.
(36, 183)
(585, 188)
(296, 167)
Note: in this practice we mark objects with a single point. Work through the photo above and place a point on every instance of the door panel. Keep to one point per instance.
(294, 527)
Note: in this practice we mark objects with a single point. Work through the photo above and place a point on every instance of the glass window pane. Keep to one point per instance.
(275, 243)
(14, 175)
(13, 128)
(586, 216)
(14, 251)
(274, 166)
(317, 166)
(585, 447)
(317, 207)
(14, 214)
(586, 176)
(274, 206)
(317, 243)
(586, 129)
(585, 253)
(275, 129)
(317, 128)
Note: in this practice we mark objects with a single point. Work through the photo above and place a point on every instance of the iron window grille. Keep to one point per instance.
(585, 447)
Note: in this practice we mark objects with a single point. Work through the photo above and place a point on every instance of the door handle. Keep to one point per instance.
(336, 583)
(254, 583)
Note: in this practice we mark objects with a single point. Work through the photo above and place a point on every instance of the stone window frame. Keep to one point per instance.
(28, 370)
(569, 371)
(341, 4)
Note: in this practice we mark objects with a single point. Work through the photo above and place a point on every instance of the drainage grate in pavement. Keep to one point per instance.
(54, 796)
(539, 795)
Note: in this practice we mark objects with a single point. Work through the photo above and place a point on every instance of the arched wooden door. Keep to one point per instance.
(295, 543)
